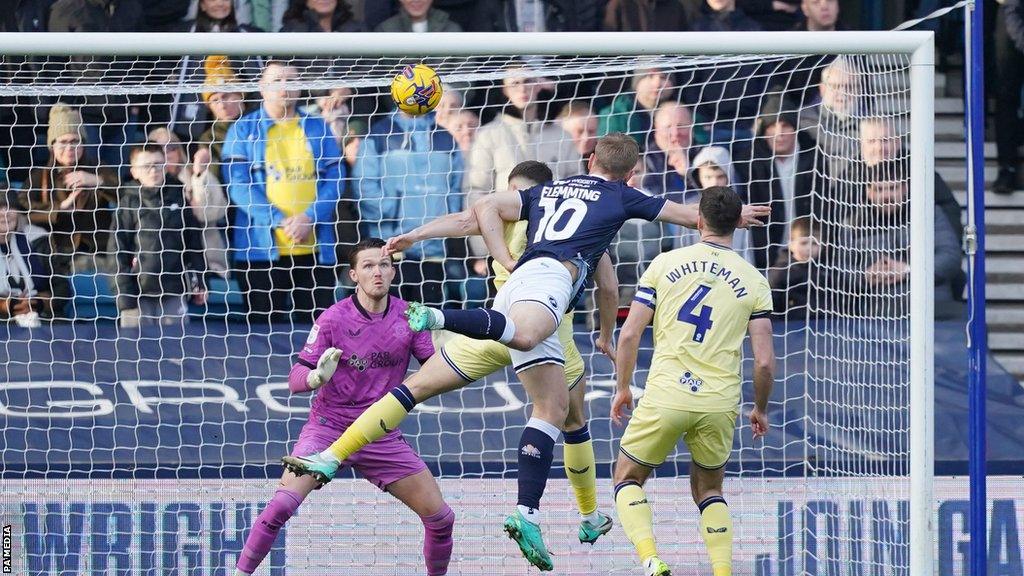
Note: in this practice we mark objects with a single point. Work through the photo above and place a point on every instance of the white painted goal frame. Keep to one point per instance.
(918, 46)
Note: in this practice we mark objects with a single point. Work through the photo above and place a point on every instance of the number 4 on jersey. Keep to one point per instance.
(701, 321)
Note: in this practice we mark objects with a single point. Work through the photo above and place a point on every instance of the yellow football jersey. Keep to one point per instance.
(703, 296)
(291, 179)
(515, 237)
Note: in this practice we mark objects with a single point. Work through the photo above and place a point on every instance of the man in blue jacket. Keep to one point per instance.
(283, 170)
(408, 173)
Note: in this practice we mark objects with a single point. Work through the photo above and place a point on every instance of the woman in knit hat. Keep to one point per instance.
(69, 198)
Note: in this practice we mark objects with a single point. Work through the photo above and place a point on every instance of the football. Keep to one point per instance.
(416, 89)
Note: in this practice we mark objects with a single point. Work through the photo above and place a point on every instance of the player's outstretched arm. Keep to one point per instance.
(455, 225)
(686, 214)
(491, 214)
(640, 316)
(607, 297)
(764, 368)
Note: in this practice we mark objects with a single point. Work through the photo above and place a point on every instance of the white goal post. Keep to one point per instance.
(917, 47)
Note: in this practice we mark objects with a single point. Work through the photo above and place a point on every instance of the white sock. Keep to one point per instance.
(532, 515)
(594, 518)
(510, 331)
(438, 317)
(545, 427)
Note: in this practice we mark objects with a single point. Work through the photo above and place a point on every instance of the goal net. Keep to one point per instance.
(158, 295)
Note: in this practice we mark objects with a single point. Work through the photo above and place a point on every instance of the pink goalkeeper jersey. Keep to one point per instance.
(375, 354)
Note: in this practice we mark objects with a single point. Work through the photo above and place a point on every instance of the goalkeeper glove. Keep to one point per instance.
(325, 368)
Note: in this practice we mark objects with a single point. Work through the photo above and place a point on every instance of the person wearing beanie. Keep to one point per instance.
(782, 174)
(64, 199)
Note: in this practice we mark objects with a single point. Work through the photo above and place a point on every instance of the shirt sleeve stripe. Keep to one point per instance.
(761, 314)
(646, 290)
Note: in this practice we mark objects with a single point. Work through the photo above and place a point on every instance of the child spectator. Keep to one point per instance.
(24, 283)
(225, 108)
(713, 166)
(203, 193)
(159, 245)
(795, 274)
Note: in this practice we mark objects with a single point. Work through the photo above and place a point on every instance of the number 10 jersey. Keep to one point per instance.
(579, 217)
(703, 297)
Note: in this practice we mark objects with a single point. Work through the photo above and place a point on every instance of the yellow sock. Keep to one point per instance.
(580, 469)
(635, 516)
(716, 529)
(381, 417)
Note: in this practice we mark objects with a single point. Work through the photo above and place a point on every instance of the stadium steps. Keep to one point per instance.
(1004, 217)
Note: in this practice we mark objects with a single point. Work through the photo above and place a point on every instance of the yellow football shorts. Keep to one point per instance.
(653, 432)
(473, 359)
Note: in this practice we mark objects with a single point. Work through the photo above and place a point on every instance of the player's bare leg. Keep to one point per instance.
(422, 495)
(580, 467)
(433, 378)
(715, 521)
(291, 492)
(635, 513)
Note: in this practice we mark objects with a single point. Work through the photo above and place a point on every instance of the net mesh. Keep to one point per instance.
(145, 402)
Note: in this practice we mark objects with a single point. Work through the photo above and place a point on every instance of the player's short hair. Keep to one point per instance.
(365, 244)
(721, 207)
(531, 171)
(617, 154)
(150, 147)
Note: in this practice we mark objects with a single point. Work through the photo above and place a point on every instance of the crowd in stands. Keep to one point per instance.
(267, 189)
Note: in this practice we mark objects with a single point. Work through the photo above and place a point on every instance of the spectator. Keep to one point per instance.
(225, 108)
(724, 16)
(645, 16)
(773, 15)
(448, 107)
(667, 162)
(782, 175)
(159, 246)
(419, 16)
(109, 120)
(283, 170)
(320, 16)
(68, 198)
(835, 121)
(216, 16)
(24, 279)
(820, 15)
(881, 142)
(408, 173)
(873, 248)
(580, 124)
(370, 12)
(713, 166)
(535, 15)
(203, 193)
(796, 276)
(464, 129)
(166, 15)
(333, 107)
(1009, 49)
(515, 135)
(630, 112)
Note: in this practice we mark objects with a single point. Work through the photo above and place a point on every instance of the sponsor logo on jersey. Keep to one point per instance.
(690, 381)
(531, 451)
(357, 363)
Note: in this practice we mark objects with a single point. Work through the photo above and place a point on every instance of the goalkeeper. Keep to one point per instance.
(369, 335)
(703, 299)
(464, 360)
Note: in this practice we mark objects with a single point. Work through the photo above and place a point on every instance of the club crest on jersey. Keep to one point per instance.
(691, 382)
(357, 363)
